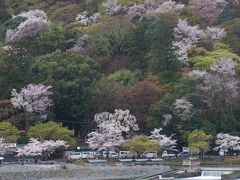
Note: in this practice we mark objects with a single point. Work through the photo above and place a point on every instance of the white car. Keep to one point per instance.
(127, 154)
(111, 154)
(81, 155)
(149, 155)
(75, 155)
(165, 154)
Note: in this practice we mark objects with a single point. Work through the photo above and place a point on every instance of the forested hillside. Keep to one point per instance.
(172, 64)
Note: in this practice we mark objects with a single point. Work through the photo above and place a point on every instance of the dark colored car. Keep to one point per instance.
(183, 155)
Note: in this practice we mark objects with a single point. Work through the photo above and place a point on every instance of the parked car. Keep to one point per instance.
(97, 154)
(149, 155)
(81, 155)
(111, 154)
(184, 154)
(87, 154)
(127, 154)
(165, 154)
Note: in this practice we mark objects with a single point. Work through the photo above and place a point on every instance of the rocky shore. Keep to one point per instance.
(76, 172)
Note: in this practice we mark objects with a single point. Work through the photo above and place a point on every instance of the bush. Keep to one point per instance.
(8, 131)
(57, 37)
(204, 62)
(125, 77)
(51, 131)
(141, 144)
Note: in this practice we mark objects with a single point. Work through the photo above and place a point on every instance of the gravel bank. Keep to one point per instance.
(75, 172)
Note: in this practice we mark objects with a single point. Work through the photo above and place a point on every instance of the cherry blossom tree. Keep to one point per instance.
(32, 98)
(151, 6)
(186, 37)
(112, 7)
(167, 119)
(111, 129)
(209, 10)
(36, 148)
(137, 9)
(169, 6)
(227, 142)
(219, 88)
(85, 19)
(165, 143)
(183, 108)
(216, 33)
(35, 23)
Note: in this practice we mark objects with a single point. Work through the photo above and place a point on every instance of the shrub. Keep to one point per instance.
(141, 144)
(51, 131)
(8, 131)
(204, 62)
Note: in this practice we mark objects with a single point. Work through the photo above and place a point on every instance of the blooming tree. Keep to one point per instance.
(40, 148)
(111, 128)
(151, 4)
(164, 142)
(167, 119)
(186, 37)
(216, 33)
(220, 86)
(36, 22)
(209, 10)
(112, 7)
(183, 108)
(32, 98)
(169, 6)
(85, 19)
(226, 142)
(137, 9)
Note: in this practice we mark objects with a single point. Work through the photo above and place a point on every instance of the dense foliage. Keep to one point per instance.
(172, 64)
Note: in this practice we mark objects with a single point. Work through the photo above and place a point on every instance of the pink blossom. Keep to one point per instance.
(38, 148)
(110, 128)
(164, 142)
(32, 98)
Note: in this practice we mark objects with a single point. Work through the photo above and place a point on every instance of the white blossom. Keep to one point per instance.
(197, 74)
(186, 37)
(151, 4)
(35, 23)
(112, 7)
(184, 108)
(165, 143)
(32, 98)
(167, 119)
(110, 129)
(168, 6)
(209, 10)
(184, 31)
(226, 142)
(136, 9)
(32, 14)
(220, 86)
(85, 19)
(39, 148)
(216, 33)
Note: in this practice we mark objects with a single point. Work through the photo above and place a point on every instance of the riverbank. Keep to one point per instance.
(73, 172)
